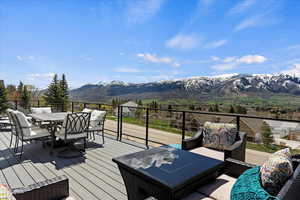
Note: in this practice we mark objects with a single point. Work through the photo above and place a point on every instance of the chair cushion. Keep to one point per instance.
(248, 187)
(209, 153)
(87, 110)
(96, 117)
(218, 189)
(72, 136)
(276, 171)
(197, 196)
(41, 110)
(25, 125)
(219, 135)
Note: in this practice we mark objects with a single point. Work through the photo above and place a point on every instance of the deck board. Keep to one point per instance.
(93, 176)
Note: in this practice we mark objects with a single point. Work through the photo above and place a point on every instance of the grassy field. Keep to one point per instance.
(268, 149)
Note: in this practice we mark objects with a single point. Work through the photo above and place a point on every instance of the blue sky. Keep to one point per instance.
(146, 40)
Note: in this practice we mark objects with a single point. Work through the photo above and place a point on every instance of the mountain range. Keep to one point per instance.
(193, 87)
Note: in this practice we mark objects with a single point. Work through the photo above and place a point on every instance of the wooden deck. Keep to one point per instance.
(94, 176)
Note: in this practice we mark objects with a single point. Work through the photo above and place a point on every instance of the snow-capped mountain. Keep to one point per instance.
(226, 84)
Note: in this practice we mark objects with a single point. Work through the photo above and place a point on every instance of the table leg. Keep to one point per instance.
(52, 128)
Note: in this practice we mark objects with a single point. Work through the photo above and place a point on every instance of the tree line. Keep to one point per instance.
(56, 95)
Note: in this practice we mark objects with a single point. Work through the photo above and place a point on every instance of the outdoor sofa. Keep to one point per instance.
(220, 188)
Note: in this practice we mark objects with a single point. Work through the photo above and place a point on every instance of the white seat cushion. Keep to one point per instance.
(197, 196)
(218, 189)
(42, 110)
(25, 125)
(96, 117)
(86, 110)
(219, 155)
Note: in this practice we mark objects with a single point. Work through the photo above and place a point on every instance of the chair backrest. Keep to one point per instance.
(23, 127)
(40, 110)
(11, 121)
(76, 123)
(97, 118)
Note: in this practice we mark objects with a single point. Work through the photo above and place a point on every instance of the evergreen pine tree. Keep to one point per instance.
(231, 110)
(64, 91)
(20, 89)
(267, 135)
(53, 95)
(25, 98)
(3, 97)
(216, 108)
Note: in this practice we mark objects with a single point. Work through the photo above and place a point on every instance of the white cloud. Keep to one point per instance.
(154, 59)
(215, 58)
(224, 67)
(293, 71)
(250, 22)
(293, 47)
(216, 44)
(229, 59)
(184, 42)
(265, 14)
(233, 62)
(142, 10)
(127, 70)
(40, 76)
(242, 6)
(25, 58)
(251, 59)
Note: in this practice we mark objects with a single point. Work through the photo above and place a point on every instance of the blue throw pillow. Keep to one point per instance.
(248, 187)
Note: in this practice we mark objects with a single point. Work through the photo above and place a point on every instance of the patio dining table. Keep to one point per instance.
(54, 119)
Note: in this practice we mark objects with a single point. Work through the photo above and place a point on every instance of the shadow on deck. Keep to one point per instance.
(93, 176)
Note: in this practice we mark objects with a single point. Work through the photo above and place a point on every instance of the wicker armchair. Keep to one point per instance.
(51, 189)
(236, 151)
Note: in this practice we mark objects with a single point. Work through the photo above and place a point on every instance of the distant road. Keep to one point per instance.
(252, 156)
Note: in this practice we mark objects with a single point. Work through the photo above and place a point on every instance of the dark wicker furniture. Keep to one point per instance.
(165, 173)
(236, 151)
(51, 189)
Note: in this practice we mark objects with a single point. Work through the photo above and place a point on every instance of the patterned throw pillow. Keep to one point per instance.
(219, 135)
(5, 193)
(248, 187)
(276, 171)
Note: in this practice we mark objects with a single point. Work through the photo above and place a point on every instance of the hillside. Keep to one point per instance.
(197, 88)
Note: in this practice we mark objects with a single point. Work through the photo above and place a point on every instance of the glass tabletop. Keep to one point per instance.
(48, 117)
(171, 167)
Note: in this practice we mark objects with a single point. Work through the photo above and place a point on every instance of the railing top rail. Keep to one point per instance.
(218, 114)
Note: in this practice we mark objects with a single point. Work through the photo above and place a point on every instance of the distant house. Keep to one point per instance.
(129, 109)
(295, 133)
(281, 129)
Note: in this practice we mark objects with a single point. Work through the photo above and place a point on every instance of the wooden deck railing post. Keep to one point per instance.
(99, 106)
(38, 103)
(16, 105)
(147, 127)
